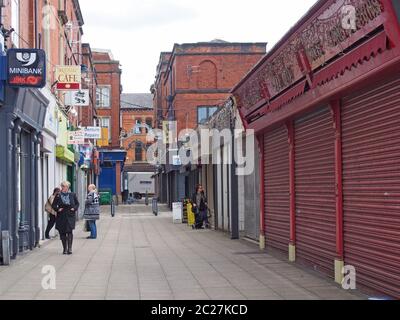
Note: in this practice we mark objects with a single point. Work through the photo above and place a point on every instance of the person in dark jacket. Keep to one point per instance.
(51, 213)
(92, 210)
(200, 207)
(66, 205)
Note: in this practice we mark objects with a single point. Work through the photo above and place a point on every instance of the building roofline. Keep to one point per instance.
(309, 15)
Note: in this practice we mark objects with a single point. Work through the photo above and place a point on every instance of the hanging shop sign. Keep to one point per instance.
(26, 68)
(93, 133)
(77, 98)
(76, 137)
(68, 77)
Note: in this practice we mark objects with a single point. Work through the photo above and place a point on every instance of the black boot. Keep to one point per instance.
(63, 238)
(70, 239)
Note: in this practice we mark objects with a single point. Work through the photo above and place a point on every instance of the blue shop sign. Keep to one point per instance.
(26, 68)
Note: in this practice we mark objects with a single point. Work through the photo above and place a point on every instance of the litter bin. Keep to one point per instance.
(105, 196)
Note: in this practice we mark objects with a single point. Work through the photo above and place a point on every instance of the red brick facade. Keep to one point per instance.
(200, 74)
(129, 117)
(109, 74)
(88, 114)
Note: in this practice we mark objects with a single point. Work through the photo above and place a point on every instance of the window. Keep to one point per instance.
(149, 123)
(204, 113)
(138, 152)
(105, 123)
(138, 128)
(103, 97)
(15, 22)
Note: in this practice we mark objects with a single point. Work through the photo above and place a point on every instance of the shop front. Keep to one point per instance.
(22, 119)
(111, 169)
(325, 105)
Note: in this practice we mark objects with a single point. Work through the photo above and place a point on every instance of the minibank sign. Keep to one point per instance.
(26, 68)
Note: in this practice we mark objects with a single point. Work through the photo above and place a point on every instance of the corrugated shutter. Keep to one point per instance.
(277, 218)
(371, 174)
(315, 190)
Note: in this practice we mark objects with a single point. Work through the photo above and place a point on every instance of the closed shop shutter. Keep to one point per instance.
(315, 190)
(371, 178)
(277, 217)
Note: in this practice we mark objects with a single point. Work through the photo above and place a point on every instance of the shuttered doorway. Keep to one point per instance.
(315, 190)
(276, 167)
(371, 182)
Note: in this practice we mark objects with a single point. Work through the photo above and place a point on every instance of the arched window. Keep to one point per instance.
(207, 76)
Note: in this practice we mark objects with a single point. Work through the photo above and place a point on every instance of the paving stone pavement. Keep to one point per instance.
(139, 256)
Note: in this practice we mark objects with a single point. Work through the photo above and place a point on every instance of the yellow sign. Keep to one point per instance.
(103, 142)
(68, 77)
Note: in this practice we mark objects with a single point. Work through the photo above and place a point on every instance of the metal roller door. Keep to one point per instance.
(315, 191)
(277, 218)
(371, 178)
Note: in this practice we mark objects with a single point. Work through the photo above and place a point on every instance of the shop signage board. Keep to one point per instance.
(93, 133)
(77, 98)
(76, 137)
(26, 68)
(177, 212)
(68, 77)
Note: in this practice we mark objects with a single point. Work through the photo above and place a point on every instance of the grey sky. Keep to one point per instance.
(137, 31)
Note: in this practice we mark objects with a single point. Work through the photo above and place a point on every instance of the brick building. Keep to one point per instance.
(88, 115)
(108, 93)
(108, 105)
(191, 83)
(137, 118)
(197, 77)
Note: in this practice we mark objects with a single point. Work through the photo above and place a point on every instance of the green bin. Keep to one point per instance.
(105, 197)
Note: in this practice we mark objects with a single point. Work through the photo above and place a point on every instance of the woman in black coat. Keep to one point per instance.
(66, 205)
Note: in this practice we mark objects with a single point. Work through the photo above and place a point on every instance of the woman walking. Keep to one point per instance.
(51, 213)
(199, 202)
(92, 210)
(66, 205)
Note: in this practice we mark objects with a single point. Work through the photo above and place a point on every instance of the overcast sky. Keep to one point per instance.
(138, 30)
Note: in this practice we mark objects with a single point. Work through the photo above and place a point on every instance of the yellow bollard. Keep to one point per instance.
(191, 217)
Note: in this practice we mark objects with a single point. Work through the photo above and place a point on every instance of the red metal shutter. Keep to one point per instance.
(315, 190)
(277, 223)
(371, 185)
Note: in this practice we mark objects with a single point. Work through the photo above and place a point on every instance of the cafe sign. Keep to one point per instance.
(68, 77)
(26, 68)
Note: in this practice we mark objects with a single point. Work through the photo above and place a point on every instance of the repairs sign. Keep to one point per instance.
(26, 68)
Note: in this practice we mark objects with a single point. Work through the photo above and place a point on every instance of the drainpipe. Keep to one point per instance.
(262, 191)
(234, 185)
(36, 25)
(292, 244)
(339, 261)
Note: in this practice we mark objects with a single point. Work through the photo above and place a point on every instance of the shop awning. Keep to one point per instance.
(65, 154)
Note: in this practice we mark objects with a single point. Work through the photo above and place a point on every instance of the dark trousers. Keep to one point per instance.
(67, 239)
(50, 225)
